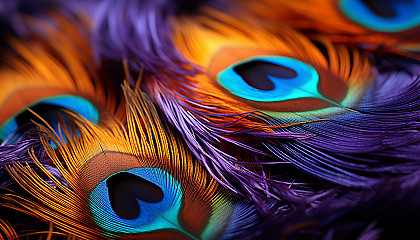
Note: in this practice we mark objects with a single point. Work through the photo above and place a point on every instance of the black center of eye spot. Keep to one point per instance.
(255, 73)
(48, 112)
(383, 8)
(125, 188)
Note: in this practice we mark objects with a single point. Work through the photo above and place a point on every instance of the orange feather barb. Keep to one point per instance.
(145, 149)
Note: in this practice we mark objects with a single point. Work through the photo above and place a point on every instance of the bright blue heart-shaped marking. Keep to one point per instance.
(303, 84)
(153, 216)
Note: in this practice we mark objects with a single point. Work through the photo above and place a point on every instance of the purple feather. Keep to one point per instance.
(12, 13)
(354, 148)
(204, 141)
(139, 31)
(359, 148)
(18, 153)
(387, 211)
(16, 149)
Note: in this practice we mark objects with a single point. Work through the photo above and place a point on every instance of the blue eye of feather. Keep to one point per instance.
(270, 79)
(49, 109)
(383, 15)
(137, 200)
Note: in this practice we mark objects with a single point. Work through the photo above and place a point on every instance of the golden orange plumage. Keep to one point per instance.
(97, 152)
(42, 69)
(226, 41)
(329, 17)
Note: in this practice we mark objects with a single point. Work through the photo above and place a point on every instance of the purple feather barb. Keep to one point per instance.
(139, 31)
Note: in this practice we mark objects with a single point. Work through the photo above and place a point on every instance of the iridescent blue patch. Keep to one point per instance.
(77, 104)
(397, 15)
(284, 84)
(153, 216)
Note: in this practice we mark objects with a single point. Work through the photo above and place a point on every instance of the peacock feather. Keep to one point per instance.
(139, 182)
(287, 119)
(226, 104)
(50, 74)
(378, 25)
(321, 107)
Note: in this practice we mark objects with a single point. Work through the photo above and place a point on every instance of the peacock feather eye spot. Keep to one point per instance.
(136, 200)
(383, 15)
(125, 188)
(51, 110)
(255, 73)
(270, 79)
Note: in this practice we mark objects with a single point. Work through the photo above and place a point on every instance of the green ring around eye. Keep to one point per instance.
(303, 84)
(407, 15)
(77, 104)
